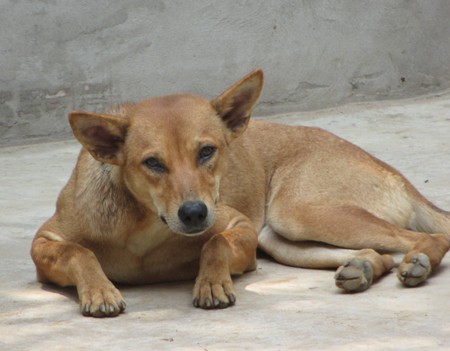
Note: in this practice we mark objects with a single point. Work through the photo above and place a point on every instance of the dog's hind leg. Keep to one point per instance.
(357, 268)
(352, 227)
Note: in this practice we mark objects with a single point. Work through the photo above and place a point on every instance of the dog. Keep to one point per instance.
(178, 187)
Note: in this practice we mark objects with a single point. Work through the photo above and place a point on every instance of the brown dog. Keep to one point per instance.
(172, 188)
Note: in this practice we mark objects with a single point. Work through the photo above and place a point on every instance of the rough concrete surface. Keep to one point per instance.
(56, 56)
(278, 307)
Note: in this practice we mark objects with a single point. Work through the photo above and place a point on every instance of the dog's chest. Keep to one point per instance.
(146, 240)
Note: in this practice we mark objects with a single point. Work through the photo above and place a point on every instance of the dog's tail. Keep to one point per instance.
(430, 218)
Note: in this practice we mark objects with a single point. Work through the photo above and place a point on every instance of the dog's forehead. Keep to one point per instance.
(172, 117)
(180, 108)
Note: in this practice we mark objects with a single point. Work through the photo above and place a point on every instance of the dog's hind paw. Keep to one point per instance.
(354, 276)
(106, 301)
(414, 270)
(213, 294)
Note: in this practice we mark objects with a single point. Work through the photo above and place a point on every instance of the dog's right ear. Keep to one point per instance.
(102, 135)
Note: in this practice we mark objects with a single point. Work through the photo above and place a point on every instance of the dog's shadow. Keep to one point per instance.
(135, 295)
(153, 296)
(69, 292)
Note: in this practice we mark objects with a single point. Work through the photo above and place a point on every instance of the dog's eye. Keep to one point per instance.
(154, 164)
(206, 153)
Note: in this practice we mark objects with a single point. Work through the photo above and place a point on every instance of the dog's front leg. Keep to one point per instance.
(231, 251)
(70, 264)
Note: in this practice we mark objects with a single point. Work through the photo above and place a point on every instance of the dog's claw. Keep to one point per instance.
(86, 309)
(232, 298)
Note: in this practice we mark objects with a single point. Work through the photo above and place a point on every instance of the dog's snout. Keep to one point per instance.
(193, 214)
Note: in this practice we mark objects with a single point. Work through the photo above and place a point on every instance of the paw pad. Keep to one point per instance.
(354, 276)
(415, 271)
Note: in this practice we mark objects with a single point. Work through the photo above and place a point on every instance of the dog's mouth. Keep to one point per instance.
(194, 231)
(163, 219)
(185, 230)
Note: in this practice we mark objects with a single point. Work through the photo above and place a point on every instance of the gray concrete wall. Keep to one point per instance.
(59, 55)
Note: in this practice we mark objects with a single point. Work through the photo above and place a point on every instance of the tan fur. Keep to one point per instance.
(173, 188)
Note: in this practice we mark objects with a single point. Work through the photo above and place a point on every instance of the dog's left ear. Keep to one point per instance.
(235, 105)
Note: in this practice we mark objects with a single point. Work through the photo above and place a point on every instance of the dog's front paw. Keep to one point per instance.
(102, 301)
(213, 293)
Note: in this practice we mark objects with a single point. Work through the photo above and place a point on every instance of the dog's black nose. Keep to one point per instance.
(193, 214)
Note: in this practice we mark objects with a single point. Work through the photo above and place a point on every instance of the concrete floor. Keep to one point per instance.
(278, 307)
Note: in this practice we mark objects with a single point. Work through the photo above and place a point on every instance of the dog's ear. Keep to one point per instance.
(102, 135)
(235, 105)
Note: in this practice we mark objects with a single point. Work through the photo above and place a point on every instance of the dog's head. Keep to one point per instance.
(172, 150)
